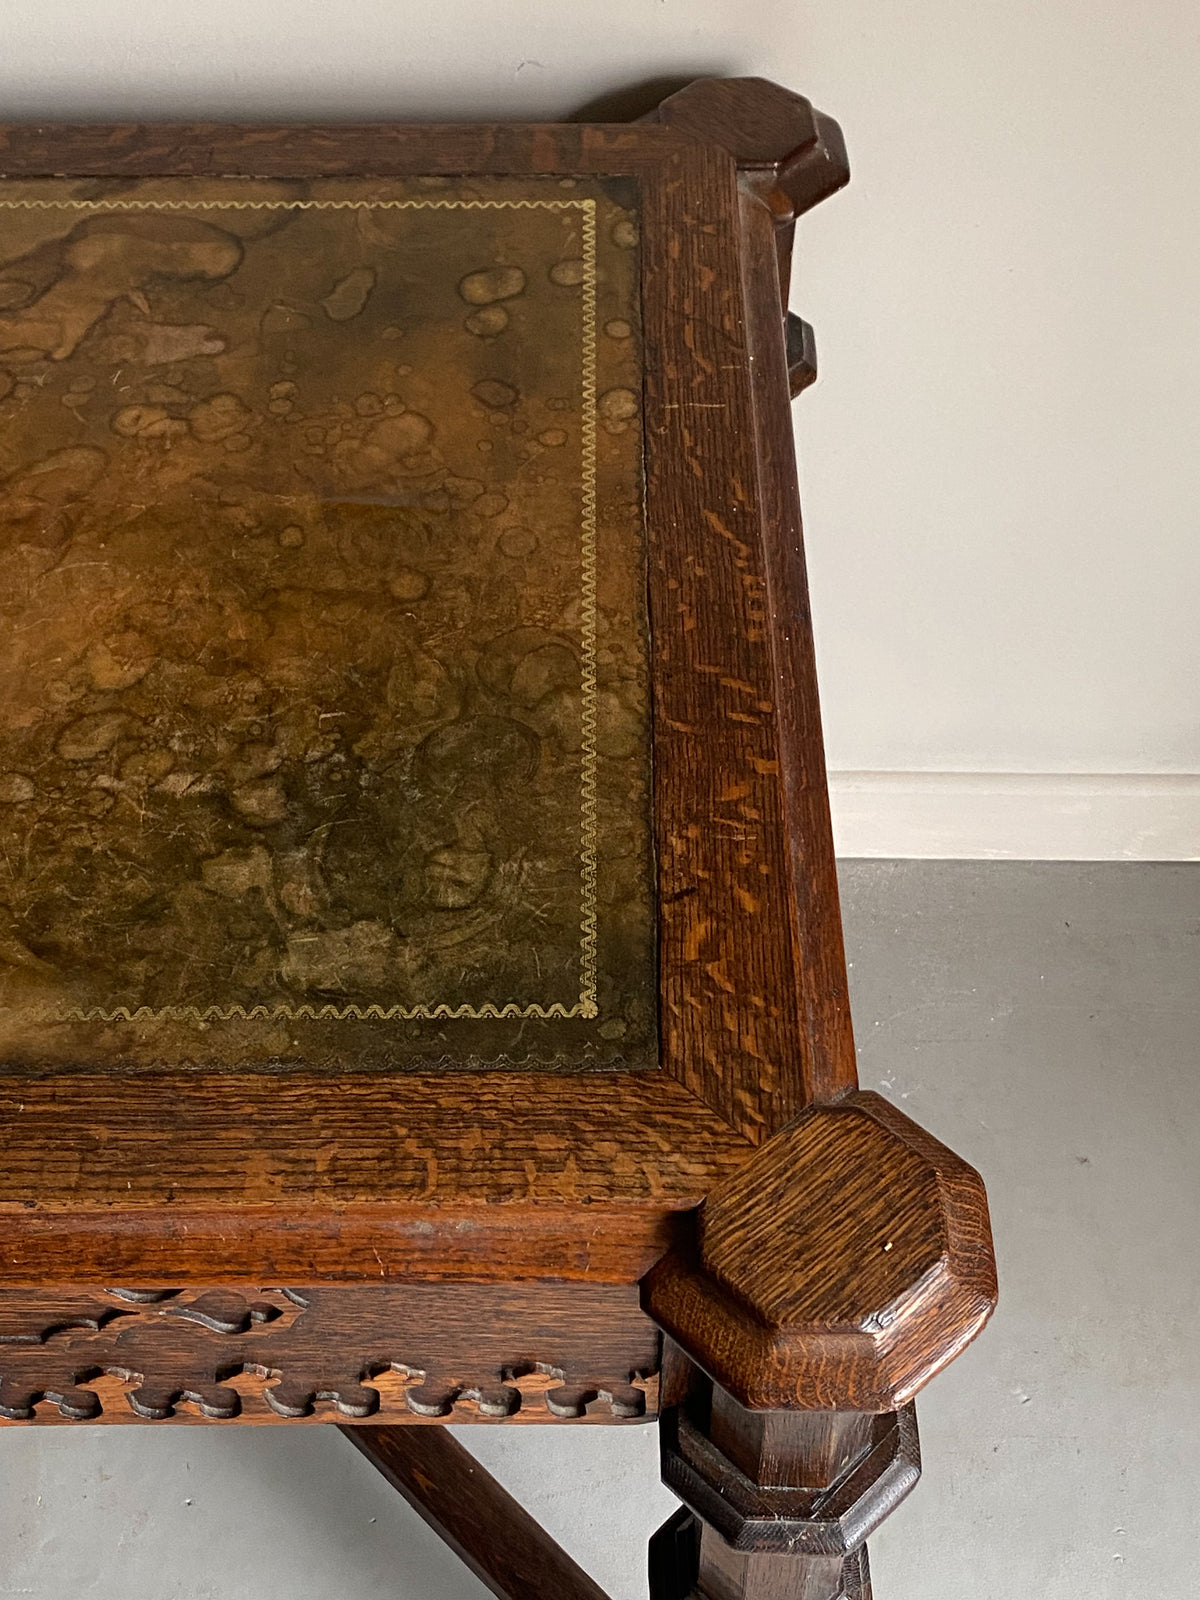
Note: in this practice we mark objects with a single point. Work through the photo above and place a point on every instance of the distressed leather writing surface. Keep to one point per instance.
(323, 686)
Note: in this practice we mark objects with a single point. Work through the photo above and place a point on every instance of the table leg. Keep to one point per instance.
(778, 1504)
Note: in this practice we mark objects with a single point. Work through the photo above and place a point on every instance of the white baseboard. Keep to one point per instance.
(1017, 816)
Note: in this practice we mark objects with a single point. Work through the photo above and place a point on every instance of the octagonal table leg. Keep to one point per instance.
(778, 1505)
(831, 1277)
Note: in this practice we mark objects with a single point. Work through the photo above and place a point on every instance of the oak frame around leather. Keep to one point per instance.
(788, 1259)
(200, 1179)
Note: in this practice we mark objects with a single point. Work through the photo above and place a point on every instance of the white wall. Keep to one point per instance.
(1000, 464)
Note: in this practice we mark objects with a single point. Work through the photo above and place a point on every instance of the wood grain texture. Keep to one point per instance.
(788, 154)
(488, 1530)
(530, 1353)
(789, 157)
(841, 1268)
(330, 150)
(460, 1176)
(820, 975)
(841, 1257)
(465, 1174)
(730, 1010)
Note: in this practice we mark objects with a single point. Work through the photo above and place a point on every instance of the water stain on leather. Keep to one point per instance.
(323, 684)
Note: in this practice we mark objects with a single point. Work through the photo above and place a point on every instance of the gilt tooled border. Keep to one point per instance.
(586, 1005)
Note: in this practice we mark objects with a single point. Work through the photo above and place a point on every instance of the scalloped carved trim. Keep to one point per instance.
(420, 1353)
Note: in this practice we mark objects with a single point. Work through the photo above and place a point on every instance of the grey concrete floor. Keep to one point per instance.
(1040, 1018)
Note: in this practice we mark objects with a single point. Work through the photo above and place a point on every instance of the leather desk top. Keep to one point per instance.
(414, 846)
(324, 731)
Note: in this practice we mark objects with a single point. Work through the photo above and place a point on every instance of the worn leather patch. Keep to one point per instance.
(324, 728)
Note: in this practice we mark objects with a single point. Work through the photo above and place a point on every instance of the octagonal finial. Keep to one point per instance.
(840, 1268)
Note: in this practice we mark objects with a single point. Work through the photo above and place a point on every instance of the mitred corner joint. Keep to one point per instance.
(788, 155)
(780, 143)
(842, 1267)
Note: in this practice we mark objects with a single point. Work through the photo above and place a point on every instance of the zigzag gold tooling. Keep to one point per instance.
(323, 688)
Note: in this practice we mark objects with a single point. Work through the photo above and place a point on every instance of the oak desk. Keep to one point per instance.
(421, 983)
